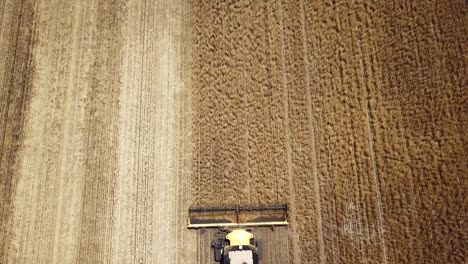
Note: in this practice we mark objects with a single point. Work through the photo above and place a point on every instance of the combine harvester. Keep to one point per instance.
(234, 242)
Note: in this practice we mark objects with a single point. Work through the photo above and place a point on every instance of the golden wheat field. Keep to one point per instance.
(116, 116)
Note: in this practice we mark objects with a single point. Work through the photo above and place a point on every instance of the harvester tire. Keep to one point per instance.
(218, 252)
(259, 249)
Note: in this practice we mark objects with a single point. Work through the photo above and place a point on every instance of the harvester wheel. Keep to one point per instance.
(218, 254)
(259, 244)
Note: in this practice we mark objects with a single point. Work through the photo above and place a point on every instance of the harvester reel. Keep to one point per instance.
(238, 217)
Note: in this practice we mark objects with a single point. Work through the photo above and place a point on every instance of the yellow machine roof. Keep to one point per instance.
(239, 237)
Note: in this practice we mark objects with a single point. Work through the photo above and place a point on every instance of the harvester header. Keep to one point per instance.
(238, 216)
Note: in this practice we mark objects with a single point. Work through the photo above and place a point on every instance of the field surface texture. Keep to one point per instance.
(116, 116)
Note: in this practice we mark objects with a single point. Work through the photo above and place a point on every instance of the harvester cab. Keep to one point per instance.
(237, 245)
